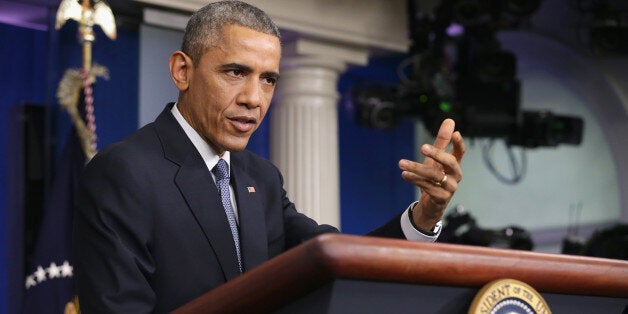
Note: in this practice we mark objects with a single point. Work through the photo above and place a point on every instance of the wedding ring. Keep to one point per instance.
(437, 183)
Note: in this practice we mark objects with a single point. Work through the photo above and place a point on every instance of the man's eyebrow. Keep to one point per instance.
(248, 69)
(271, 74)
(236, 66)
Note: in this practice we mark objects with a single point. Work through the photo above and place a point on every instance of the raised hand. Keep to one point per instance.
(437, 177)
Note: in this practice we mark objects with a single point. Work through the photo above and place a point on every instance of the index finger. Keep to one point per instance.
(442, 138)
(444, 134)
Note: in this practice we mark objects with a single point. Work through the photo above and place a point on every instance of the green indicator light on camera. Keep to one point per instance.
(445, 106)
(423, 98)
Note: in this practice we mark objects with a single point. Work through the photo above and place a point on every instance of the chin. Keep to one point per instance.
(237, 147)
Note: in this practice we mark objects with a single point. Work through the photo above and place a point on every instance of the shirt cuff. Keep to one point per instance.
(412, 233)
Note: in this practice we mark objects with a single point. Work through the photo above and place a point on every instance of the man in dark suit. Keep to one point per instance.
(180, 207)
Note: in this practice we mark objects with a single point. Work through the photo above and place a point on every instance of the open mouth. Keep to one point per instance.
(243, 124)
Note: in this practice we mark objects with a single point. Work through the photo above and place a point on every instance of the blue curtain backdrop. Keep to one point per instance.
(32, 65)
(371, 188)
(22, 63)
(49, 280)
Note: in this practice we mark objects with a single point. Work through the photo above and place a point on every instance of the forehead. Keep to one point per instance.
(239, 44)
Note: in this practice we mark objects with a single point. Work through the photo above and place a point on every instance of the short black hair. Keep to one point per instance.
(205, 26)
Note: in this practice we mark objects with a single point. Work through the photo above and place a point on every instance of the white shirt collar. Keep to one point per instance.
(209, 155)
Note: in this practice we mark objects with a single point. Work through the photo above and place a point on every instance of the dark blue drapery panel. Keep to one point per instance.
(22, 79)
(371, 188)
(32, 65)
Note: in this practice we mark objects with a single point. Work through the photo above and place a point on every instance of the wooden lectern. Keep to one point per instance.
(336, 273)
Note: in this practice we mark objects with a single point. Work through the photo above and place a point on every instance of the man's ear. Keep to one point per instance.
(181, 69)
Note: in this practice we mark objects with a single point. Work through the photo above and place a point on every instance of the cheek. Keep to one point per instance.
(206, 111)
(269, 99)
(215, 101)
(223, 96)
(264, 110)
(265, 107)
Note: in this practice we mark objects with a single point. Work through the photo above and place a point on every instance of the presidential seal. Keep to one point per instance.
(508, 296)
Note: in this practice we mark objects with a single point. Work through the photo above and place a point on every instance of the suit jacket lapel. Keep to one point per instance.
(253, 240)
(199, 190)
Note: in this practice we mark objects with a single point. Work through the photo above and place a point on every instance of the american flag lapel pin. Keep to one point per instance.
(250, 189)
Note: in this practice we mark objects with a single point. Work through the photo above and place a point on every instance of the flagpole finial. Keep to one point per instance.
(87, 16)
(100, 14)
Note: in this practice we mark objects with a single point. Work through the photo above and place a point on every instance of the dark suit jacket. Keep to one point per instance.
(150, 233)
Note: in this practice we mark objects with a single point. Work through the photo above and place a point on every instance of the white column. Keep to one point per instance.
(304, 126)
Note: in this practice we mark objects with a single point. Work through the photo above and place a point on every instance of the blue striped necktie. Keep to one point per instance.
(221, 171)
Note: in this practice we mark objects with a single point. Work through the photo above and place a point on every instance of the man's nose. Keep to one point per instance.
(251, 94)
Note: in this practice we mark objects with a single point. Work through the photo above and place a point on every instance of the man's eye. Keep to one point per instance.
(237, 72)
(270, 80)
